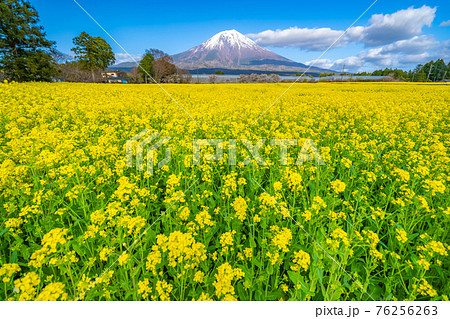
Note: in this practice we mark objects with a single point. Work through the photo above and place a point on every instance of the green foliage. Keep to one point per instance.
(431, 71)
(93, 53)
(159, 65)
(145, 68)
(434, 71)
(322, 75)
(363, 74)
(25, 53)
(395, 73)
(219, 73)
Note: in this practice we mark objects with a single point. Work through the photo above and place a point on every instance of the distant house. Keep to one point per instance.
(114, 77)
(110, 74)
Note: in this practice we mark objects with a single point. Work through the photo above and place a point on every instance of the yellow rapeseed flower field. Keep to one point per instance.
(372, 223)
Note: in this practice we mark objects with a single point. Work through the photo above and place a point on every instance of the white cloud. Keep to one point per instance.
(443, 52)
(415, 45)
(382, 29)
(445, 24)
(123, 57)
(403, 53)
(310, 39)
(416, 58)
(401, 25)
(350, 64)
(320, 63)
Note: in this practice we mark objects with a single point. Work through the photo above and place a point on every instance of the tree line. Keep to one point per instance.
(432, 71)
(27, 55)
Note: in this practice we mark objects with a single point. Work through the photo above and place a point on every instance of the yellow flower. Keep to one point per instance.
(224, 279)
(436, 247)
(318, 203)
(184, 212)
(204, 219)
(402, 236)
(52, 292)
(273, 257)
(372, 238)
(338, 233)
(336, 216)
(123, 259)
(248, 252)
(49, 244)
(425, 289)
(204, 297)
(153, 259)
(133, 224)
(338, 186)
(27, 286)
(199, 276)
(144, 288)
(294, 181)
(105, 252)
(281, 237)
(447, 211)
(240, 206)
(277, 186)
(402, 175)
(435, 186)
(226, 239)
(423, 263)
(164, 289)
(8, 270)
(346, 162)
(377, 212)
(301, 260)
(180, 249)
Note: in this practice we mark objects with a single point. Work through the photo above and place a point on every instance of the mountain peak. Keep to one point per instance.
(229, 38)
(231, 49)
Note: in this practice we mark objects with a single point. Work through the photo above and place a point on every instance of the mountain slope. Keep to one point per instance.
(233, 50)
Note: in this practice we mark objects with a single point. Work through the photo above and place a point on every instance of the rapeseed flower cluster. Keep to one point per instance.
(225, 277)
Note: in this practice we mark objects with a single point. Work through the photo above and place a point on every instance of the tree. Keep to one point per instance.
(159, 65)
(438, 71)
(162, 66)
(145, 68)
(25, 53)
(72, 72)
(419, 74)
(212, 78)
(93, 53)
(134, 75)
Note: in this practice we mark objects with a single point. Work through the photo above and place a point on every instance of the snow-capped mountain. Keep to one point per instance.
(233, 50)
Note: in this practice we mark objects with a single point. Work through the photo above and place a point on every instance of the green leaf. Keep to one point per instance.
(241, 292)
(4, 231)
(274, 295)
(14, 257)
(297, 279)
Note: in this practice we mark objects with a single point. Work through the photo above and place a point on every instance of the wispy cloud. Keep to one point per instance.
(445, 24)
(382, 29)
(308, 39)
(418, 49)
(123, 57)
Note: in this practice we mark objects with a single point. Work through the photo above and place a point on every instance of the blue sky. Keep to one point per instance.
(299, 30)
